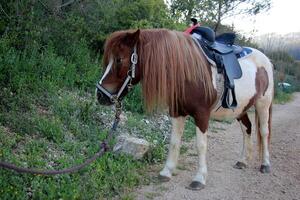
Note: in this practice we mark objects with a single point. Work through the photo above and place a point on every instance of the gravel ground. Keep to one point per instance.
(225, 182)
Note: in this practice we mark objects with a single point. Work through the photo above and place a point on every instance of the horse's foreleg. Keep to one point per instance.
(246, 154)
(177, 131)
(200, 178)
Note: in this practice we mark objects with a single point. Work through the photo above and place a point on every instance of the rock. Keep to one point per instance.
(165, 117)
(123, 119)
(146, 121)
(132, 146)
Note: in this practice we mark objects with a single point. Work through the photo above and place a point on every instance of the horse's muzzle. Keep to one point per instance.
(102, 98)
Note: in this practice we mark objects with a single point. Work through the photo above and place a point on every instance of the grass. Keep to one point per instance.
(49, 120)
(61, 135)
(283, 97)
(189, 129)
(64, 129)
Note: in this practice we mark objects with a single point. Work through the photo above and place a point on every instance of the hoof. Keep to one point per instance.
(240, 165)
(265, 169)
(163, 178)
(195, 185)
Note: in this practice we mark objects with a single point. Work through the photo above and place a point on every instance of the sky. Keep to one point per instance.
(282, 18)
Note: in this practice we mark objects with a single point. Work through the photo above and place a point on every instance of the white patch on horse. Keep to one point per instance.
(201, 144)
(246, 155)
(262, 108)
(175, 142)
(214, 76)
(245, 89)
(108, 68)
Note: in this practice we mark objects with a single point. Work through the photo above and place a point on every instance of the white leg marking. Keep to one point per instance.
(246, 154)
(264, 133)
(177, 131)
(263, 117)
(108, 68)
(201, 142)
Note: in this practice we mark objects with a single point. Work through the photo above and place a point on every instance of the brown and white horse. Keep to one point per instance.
(174, 74)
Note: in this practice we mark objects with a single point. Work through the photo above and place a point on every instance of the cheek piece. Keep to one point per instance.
(127, 83)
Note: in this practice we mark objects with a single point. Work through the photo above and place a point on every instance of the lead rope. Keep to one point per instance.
(104, 147)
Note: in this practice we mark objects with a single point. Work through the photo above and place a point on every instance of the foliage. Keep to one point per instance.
(184, 10)
(282, 97)
(216, 10)
(286, 69)
(42, 21)
(133, 101)
(57, 135)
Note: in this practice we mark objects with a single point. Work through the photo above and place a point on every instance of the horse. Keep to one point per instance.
(176, 76)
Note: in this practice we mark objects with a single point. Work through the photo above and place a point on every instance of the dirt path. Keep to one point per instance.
(225, 182)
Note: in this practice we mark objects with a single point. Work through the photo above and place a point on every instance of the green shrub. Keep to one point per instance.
(133, 101)
(282, 97)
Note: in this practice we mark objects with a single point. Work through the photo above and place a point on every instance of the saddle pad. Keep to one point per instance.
(219, 78)
(246, 51)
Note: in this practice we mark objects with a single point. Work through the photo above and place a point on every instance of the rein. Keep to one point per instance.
(104, 147)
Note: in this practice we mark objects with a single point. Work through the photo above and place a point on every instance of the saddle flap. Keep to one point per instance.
(221, 48)
(232, 66)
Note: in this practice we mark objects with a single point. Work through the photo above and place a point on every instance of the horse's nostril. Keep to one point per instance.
(100, 94)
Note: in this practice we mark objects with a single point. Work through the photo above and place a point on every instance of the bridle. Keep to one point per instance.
(127, 83)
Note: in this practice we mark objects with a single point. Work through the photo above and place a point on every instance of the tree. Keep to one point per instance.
(184, 9)
(216, 10)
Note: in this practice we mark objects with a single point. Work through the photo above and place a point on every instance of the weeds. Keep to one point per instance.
(282, 97)
(49, 120)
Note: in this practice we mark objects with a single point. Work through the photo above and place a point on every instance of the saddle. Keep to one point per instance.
(222, 51)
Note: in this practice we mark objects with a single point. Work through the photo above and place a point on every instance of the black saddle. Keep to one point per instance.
(224, 53)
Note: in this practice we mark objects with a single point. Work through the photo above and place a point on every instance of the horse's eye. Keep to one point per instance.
(119, 61)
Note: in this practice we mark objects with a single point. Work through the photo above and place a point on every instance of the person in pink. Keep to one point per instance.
(194, 24)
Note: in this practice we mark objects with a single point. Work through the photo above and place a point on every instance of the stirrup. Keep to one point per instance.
(226, 99)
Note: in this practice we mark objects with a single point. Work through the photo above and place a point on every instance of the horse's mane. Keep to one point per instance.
(168, 61)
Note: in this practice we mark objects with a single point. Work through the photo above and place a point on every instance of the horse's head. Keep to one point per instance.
(120, 63)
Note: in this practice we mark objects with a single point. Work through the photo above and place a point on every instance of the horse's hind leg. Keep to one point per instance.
(177, 131)
(246, 154)
(263, 127)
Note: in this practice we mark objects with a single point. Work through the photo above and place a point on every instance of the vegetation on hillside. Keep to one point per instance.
(50, 60)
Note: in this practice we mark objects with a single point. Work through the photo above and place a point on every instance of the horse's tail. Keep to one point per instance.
(257, 125)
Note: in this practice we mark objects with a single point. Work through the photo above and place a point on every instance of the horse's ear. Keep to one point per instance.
(132, 38)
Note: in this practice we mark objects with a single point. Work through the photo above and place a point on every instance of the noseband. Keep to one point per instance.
(127, 83)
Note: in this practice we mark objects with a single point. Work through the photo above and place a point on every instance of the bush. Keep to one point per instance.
(282, 97)
(133, 101)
